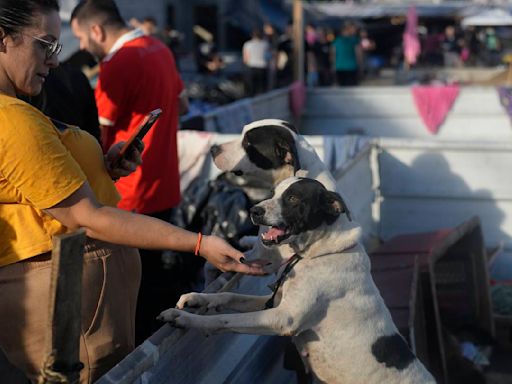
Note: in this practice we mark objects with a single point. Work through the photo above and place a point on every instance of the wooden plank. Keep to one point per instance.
(63, 334)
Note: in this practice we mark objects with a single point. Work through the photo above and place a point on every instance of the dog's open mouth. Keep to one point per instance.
(275, 235)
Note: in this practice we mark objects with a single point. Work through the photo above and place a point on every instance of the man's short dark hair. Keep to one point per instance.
(91, 9)
(149, 19)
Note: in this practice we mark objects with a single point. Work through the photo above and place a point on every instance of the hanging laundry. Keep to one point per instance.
(505, 95)
(411, 42)
(297, 98)
(433, 103)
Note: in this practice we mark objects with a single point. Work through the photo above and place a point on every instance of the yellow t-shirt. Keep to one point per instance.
(41, 165)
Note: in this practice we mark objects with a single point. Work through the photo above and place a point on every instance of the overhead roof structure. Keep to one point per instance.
(488, 17)
(378, 9)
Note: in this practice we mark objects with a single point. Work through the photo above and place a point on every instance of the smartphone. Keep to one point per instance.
(139, 133)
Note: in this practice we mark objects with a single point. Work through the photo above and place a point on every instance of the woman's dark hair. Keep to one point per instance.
(17, 14)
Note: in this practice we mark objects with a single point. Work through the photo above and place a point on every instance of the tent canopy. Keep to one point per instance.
(488, 17)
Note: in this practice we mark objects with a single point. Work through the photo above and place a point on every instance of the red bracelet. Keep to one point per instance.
(198, 245)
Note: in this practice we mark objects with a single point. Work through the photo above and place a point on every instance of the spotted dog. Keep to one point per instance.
(270, 151)
(324, 298)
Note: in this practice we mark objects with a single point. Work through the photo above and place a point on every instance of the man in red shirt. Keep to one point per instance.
(137, 75)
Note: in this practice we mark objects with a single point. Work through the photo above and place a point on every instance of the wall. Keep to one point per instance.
(232, 117)
(390, 112)
(424, 186)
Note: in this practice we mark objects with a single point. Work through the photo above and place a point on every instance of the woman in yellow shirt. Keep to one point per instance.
(54, 180)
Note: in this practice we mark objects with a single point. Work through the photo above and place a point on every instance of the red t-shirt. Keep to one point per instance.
(137, 78)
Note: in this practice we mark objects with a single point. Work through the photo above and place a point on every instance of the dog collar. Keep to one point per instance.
(275, 287)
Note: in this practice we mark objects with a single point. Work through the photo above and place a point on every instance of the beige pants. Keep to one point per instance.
(111, 278)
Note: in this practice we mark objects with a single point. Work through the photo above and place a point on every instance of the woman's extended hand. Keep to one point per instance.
(128, 164)
(226, 258)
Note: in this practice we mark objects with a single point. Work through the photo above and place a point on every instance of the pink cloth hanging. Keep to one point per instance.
(410, 38)
(433, 103)
(297, 98)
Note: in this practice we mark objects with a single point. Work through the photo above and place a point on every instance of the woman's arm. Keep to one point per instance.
(121, 227)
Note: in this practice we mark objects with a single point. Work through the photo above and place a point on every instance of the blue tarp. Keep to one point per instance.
(250, 14)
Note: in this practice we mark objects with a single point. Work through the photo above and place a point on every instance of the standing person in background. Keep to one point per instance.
(271, 37)
(347, 56)
(311, 41)
(137, 74)
(255, 55)
(431, 50)
(173, 39)
(367, 47)
(285, 57)
(492, 46)
(323, 58)
(53, 180)
(452, 46)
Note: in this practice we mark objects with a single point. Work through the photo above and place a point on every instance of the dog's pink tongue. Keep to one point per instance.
(272, 233)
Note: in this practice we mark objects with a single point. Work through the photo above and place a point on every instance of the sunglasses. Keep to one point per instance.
(51, 47)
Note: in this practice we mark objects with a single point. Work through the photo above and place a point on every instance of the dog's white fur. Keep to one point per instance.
(329, 304)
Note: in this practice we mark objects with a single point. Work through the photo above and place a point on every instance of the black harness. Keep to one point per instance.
(275, 287)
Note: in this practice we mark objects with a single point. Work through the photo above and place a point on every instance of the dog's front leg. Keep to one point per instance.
(269, 322)
(221, 302)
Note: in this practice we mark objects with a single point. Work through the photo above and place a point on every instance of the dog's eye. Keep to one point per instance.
(293, 199)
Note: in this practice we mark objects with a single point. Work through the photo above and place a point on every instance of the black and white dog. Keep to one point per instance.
(270, 151)
(325, 296)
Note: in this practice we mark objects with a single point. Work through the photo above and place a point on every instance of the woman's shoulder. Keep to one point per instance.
(12, 106)
(13, 109)
(9, 102)
(19, 119)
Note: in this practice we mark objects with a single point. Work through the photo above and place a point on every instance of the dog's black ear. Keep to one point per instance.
(290, 126)
(333, 205)
(288, 154)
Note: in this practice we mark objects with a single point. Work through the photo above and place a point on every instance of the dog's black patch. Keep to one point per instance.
(393, 351)
(306, 205)
(271, 147)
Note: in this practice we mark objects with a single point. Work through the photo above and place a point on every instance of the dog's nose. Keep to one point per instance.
(257, 212)
(215, 150)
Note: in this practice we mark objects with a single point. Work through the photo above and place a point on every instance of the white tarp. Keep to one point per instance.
(489, 17)
(376, 10)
